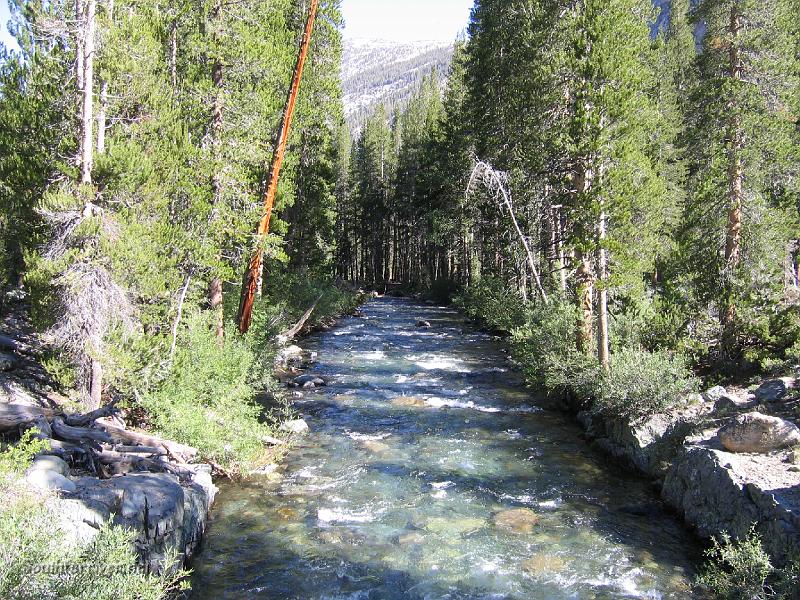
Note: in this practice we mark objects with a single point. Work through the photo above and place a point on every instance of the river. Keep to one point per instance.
(430, 472)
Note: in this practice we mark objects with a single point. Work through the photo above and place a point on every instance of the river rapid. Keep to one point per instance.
(430, 472)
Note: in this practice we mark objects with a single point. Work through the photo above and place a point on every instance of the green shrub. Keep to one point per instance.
(493, 303)
(741, 570)
(641, 384)
(37, 562)
(546, 347)
(207, 399)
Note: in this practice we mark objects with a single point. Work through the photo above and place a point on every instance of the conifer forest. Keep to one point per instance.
(586, 208)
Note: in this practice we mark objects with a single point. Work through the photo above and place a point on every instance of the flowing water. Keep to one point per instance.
(422, 441)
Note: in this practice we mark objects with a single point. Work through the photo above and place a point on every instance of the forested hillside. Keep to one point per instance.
(594, 176)
(134, 143)
(376, 72)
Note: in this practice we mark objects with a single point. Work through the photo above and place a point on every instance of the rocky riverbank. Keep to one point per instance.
(725, 461)
(93, 474)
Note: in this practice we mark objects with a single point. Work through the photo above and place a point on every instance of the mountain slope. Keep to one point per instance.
(383, 72)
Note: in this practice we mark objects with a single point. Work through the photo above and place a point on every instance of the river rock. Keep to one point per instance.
(516, 520)
(447, 527)
(375, 446)
(409, 402)
(423, 324)
(297, 426)
(7, 362)
(774, 390)
(715, 393)
(303, 380)
(757, 433)
(47, 480)
(543, 563)
(411, 538)
(50, 463)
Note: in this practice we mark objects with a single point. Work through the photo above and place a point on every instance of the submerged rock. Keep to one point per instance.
(423, 324)
(516, 520)
(409, 402)
(446, 527)
(543, 563)
(758, 434)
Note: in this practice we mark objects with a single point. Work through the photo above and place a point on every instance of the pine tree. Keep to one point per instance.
(742, 153)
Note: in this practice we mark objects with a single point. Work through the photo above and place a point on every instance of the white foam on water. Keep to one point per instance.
(440, 363)
(327, 515)
(374, 355)
(526, 409)
(550, 504)
(439, 495)
(442, 485)
(437, 402)
(401, 379)
(365, 437)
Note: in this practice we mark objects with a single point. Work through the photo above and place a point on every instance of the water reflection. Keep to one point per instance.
(431, 473)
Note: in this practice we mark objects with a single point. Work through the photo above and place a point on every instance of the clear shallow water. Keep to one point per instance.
(422, 440)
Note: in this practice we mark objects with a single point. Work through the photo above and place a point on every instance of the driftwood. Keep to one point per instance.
(83, 420)
(98, 445)
(78, 434)
(297, 327)
(16, 416)
(126, 436)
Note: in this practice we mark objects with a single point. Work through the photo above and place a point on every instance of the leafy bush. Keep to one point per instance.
(546, 347)
(492, 302)
(736, 570)
(741, 570)
(15, 458)
(207, 399)
(641, 384)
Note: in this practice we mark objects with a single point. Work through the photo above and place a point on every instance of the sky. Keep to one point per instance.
(396, 20)
(405, 20)
(4, 17)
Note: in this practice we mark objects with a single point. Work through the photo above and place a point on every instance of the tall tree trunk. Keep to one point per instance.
(603, 349)
(96, 386)
(584, 276)
(87, 109)
(215, 288)
(101, 118)
(733, 237)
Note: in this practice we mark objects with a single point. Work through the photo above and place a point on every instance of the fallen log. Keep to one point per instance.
(82, 435)
(134, 438)
(109, 410)
(121, 463)
(152, 450)
(14, 416)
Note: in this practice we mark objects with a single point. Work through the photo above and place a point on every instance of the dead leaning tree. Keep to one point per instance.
(253, 274)
(496, 182)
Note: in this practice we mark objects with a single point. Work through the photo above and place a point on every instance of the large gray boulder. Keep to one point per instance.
(716, 492)
(46, 480)
(168, 516)
(298, 426)
(757, 433)
(649, 446)
(49, 463)
(774, 390)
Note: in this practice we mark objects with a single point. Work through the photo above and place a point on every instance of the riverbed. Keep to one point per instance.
(430, 472)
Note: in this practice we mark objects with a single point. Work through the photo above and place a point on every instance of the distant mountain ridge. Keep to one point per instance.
(378, 72)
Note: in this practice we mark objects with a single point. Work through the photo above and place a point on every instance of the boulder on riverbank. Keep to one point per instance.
(717, 491)
(757, 433)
